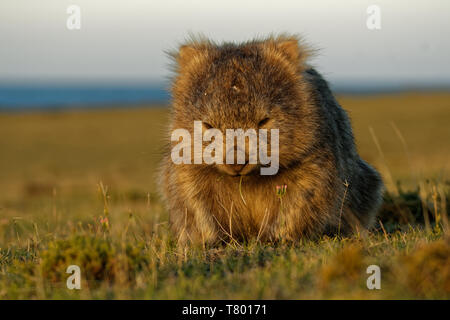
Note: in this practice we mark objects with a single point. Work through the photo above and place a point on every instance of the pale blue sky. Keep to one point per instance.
(125, 40)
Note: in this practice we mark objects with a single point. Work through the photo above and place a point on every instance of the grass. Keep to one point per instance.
(78, 187)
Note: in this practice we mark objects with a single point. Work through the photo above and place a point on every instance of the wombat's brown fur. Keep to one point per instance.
(267, 83)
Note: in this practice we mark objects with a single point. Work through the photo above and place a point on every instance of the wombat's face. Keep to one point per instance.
(250, 87)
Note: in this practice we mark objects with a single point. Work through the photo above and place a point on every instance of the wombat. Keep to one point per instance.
(322, 186)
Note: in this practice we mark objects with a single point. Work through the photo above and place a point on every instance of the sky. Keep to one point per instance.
(124, 41)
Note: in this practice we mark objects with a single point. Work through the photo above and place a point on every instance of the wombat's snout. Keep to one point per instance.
(236, 168)
(231, 160)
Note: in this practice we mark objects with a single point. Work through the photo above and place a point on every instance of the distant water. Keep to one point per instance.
(62, 97)
(36, 97)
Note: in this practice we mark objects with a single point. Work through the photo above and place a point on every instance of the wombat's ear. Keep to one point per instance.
(186, 54)
(290, 50)
(189, 54)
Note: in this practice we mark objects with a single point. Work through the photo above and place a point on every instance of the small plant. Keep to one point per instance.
(345, 267)
(104, 222)
(281, 191)
(98, 259)
(426, 271)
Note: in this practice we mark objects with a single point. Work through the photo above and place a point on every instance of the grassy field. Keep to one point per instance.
(62, 173)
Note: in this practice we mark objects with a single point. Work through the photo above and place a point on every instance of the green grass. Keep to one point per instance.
(62, 173)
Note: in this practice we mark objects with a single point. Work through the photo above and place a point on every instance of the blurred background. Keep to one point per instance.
(99, 97)
(118, 53)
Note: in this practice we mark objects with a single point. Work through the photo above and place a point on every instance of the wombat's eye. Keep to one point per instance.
(207, 125)
(263, 122)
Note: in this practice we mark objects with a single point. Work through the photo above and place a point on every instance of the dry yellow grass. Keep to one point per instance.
(412, 129)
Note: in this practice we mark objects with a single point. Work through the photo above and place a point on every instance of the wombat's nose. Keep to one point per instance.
(236, 167)
(232, 159)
